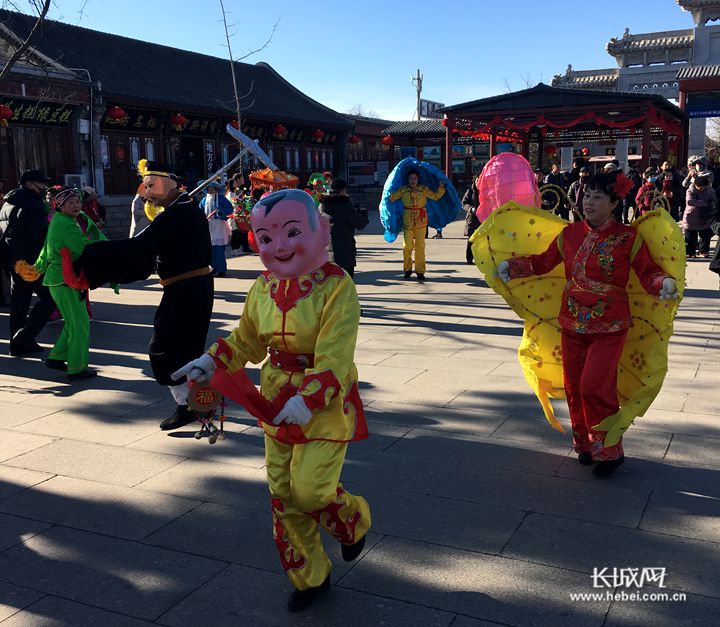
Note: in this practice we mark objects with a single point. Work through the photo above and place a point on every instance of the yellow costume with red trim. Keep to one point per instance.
(415, 222)
(308, 326)
(551, 302)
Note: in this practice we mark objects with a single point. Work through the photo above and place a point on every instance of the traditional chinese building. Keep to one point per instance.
(175, 113)
(651, 62)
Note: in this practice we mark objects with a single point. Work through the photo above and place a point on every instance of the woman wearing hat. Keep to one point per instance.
(700, 209)
(71, 351)
(218, 209)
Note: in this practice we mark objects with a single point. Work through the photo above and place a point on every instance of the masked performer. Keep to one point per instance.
(304, 312)
(178, 238)
(592, 299)
(66, 238)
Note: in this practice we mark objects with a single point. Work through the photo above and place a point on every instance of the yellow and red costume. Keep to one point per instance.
(415, 222)
(308, 327)
(589, 299)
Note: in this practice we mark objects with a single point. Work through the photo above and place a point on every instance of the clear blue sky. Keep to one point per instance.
(346, 53)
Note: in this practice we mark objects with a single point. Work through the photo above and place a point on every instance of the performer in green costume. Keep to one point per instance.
(72, 348)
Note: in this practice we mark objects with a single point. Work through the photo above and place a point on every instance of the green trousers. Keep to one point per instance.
(73, 345)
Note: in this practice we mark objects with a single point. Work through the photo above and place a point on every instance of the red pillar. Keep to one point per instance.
(645, 159)
(448, 144)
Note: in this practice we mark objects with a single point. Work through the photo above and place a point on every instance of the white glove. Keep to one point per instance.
(201, 369)
(669, 289)
(503, 271)
(295, 412)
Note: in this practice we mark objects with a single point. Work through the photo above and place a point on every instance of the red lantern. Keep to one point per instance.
(5, 114)
(235, 124)
(387, 141)
(550, 150)
(178, 121)
(280, 131)
(444, 122)
(318, 135)
(585, 151)
(354, 140)
(115, 113)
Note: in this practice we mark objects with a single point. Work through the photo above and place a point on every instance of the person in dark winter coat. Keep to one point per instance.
(344, 219)
(700, 211)
(669, 184)
(470, 202)
(25, 218)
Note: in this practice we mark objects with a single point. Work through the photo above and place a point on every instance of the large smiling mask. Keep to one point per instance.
(291, 235)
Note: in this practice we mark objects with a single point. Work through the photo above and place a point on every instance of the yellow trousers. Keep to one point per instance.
(305, 494)
(414, 238)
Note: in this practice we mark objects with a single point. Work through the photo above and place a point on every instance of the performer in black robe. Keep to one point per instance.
(178, 241)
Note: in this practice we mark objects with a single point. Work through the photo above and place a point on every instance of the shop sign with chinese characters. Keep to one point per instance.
(134, 120)
(39, 112)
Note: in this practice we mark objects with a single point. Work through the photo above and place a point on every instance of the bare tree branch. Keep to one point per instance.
(26, 44)
(265, 45)
(358, 109)
(232, 65)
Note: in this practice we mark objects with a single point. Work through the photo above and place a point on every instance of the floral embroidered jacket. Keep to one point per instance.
(597, 268)
(315, 316)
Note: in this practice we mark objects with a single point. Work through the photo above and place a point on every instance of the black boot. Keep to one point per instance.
(56, 364)
(87, 373)
(300, 599)
(20, 348)
(182, 416)
(407, 274)
(585, 459)
(351, 551)
(606, 468)
(421, 276)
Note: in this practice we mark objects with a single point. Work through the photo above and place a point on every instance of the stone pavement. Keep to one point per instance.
(481, 513)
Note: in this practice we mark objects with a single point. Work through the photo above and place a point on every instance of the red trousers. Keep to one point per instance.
(590, 375)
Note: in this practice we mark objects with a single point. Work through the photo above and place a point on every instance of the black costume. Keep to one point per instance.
(180, 240)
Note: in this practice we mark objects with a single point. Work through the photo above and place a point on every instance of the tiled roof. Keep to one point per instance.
(697, 4)
(651, 41)
(699, 71)
(599, 78)
(158, 75)
(544, 97)
(416, 127)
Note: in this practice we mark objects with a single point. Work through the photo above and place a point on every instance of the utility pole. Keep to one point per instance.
(418, 81)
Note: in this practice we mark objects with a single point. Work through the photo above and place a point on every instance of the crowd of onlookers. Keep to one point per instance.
(689, 195)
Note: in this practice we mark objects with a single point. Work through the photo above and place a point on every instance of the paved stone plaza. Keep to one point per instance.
(481, 513)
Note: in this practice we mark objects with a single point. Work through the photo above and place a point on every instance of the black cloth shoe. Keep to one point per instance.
(300, 599)
(585, 459)
(20, 349)
(56, 364)
(88, 373)
(421, 276)
(407, 274)
(351, 551)
(606, 468)
(182, 416)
